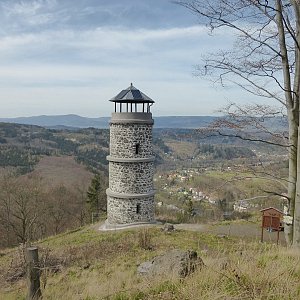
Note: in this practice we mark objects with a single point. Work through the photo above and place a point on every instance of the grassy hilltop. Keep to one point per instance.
(88, 264)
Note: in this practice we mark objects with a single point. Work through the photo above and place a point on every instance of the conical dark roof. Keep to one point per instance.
(130, 95)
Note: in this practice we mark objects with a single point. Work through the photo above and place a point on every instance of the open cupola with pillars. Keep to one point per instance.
(130, 196)
(132, 100)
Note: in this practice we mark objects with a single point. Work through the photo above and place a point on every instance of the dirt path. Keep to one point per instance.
(247, 230)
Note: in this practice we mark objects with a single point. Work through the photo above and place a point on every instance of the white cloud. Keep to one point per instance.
(65, 68)
(57, 69)
(110, 47)
(29, 13)
(26, 8)
(106, 38)
(8, 43)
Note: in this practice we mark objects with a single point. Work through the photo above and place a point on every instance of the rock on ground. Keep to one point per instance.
(168, 227)
(176, 263)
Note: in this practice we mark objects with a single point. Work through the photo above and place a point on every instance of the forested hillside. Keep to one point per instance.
(46, 173)
(23, 145)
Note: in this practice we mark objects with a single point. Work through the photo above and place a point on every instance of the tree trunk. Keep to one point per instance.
(293, 120)
(296, 220)
(296, 92)
(292, 179)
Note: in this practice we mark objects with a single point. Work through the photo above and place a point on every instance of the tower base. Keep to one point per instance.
(106, 226)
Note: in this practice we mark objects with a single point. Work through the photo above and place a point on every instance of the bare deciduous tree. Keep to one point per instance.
(58, 208)
(7, 186)
(30, 209)
(264, 61)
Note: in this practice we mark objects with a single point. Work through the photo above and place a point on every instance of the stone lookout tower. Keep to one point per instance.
(130, 196)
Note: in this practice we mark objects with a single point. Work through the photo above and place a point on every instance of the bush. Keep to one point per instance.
(144, 239)
(241, 215)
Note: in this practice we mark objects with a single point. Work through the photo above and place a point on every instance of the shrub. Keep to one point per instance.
(144, 239)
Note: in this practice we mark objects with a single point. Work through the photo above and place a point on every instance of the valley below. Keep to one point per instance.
(211, 188)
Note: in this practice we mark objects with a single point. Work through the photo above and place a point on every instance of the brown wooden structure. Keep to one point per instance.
(271, 219)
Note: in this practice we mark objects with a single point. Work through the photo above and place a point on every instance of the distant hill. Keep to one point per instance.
(60, 121)
(190, 122)
(69, 121)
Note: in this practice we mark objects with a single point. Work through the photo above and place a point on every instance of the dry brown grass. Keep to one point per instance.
(145, 239)
(102, 265)
(272, 273)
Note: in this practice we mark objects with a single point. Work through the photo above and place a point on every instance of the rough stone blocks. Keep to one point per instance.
(124, 211)
(130, 195)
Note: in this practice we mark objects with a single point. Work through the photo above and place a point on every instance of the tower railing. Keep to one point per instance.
(132, 107)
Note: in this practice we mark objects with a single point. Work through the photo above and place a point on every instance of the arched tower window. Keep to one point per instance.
(138, 208)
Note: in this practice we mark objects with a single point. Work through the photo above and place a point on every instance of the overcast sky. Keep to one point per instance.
(72, 56)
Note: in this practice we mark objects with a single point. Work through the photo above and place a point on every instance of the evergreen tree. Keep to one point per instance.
(96, 196)
(189, 207)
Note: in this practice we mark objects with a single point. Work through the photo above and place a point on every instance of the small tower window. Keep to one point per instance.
(137, 148)
(138, 208)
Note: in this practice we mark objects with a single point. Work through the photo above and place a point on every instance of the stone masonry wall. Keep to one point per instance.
(131, 178)
(124, 137)
(130, 141)
(124, 211)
